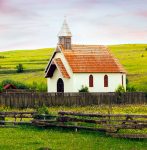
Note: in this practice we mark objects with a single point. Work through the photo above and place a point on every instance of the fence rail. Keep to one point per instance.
(111, 124)
(17, 118)
(32, 99)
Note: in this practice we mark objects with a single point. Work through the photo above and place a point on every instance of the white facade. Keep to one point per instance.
(75, 83)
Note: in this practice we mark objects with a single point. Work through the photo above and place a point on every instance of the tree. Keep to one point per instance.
(19, 68)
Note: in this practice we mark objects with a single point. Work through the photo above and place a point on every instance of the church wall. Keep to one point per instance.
(77, 80)
(52, 83)
(114, 80)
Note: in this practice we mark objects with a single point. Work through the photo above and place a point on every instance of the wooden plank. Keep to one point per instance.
(71, 119)
(16, 122)
(101, 115)
(7, 113)
(132, 136)
(68, 126)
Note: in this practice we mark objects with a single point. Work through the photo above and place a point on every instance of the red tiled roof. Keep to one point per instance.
(8, 86)
(61, 67)
(92, 58)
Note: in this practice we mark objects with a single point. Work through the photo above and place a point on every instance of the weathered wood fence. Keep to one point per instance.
(109, 123)
(33, 99)
(15, 118)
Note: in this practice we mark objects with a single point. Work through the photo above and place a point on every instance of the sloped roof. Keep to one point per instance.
(92, 59)
(61, 68)
(65, 31)
(9, 86)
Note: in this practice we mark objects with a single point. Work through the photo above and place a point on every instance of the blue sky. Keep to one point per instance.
(30, 24)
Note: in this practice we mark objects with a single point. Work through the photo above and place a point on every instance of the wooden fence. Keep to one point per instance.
(15, 118)
(111, 124)
(33, 99)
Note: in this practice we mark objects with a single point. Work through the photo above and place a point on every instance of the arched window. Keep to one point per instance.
(60, 85)
(122, 80)
(91, 81)
(105, 81)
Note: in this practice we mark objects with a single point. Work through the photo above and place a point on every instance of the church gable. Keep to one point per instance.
(61, 67)
(57, 64)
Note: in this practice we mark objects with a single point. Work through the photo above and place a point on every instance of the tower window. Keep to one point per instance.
(68, 43)
(91, 81)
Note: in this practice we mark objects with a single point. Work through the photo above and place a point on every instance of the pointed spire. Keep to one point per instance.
(65, 31)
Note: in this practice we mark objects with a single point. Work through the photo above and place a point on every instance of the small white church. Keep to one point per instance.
(73, 66)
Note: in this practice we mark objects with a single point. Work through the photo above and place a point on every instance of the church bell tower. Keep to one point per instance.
(64, 36)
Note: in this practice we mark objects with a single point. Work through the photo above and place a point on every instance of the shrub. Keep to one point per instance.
(18, 85)
(42, 110)
(84, 89)
(19, 68)
(127, 81)
(120, 89)
(39, 86)
(130, 88)
(1, 88)
(1, 57)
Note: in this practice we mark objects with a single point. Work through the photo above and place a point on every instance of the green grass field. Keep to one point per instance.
(132, 56)
(134, 59)
(33, 138)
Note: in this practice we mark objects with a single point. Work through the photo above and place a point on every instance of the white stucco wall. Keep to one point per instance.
(114, 80)
(77, 80)
(52, 83)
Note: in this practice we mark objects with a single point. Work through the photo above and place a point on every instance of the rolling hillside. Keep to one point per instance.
(132, 56)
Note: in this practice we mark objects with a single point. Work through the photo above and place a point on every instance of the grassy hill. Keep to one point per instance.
(132, 56)
(134, 59)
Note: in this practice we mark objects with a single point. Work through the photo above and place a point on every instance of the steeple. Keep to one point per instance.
(65, 36)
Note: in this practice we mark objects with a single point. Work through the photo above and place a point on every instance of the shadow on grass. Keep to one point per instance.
(83, 132)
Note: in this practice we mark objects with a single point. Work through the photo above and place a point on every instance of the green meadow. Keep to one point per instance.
(134, 59)
(33, 138)
(132, 56)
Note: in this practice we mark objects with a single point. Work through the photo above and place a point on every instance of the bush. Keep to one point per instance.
(1, 88)
(120, 89)
(130, 88)
(84, 89)
(18, 85)
(39, 86)
(42, 110)
(19, 68)
(1, 57)
(127, 81)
